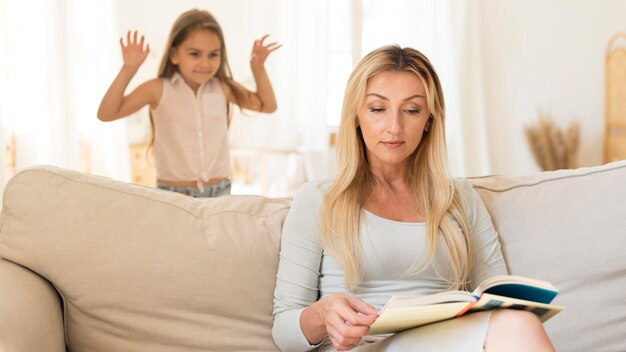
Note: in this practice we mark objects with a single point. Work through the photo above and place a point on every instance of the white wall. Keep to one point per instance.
(549, 56)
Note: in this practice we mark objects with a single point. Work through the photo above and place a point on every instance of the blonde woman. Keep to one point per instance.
(393, 221)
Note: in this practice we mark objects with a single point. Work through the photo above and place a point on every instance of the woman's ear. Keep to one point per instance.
(428, 124)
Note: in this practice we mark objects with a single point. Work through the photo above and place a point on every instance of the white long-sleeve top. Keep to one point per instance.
(389, 248)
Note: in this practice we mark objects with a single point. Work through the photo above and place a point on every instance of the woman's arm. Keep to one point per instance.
(297, 281)
(114, 104)
(301, 321)
(489, 260)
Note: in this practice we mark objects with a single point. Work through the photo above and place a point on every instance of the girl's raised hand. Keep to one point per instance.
(261, 51)
(133, 52)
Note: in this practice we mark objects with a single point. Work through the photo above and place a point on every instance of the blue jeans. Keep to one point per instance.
(217, 190)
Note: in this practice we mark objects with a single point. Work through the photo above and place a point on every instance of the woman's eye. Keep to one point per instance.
(212, 56)
(194, 54)
(377, 110)
(413, 111)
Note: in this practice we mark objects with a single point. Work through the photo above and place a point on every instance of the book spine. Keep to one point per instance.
(468, 307)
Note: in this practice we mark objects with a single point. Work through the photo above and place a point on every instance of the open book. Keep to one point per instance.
(507, 291)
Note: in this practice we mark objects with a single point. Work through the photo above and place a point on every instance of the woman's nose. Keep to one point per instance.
(394, 123)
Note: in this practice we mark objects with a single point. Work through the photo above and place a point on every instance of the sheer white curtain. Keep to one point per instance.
(98, 61)
(310, 72)
(447, 32)
(309, 75)
(51, 55)
(299, 73)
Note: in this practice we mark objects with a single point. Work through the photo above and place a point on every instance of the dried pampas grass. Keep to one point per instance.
(552, 148)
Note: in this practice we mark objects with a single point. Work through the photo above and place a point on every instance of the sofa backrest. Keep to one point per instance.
(141, 269)
(569, 227)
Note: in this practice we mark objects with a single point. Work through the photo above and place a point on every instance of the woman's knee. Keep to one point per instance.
(516, 321)
(515, 330)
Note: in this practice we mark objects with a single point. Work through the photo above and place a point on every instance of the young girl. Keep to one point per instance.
(189, 102)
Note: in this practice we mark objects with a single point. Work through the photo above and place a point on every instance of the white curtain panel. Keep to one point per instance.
(99, 59)
(467, 127)
(310, 71)
(4, 88)
(52, 55)
(299, 72)
(447, 32)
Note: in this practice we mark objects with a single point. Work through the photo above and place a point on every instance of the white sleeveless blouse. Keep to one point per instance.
(191, 132)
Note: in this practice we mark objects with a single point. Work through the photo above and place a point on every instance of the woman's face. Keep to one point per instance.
(392, 117)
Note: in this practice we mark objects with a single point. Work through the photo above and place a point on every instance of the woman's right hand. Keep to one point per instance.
(346, 319)
(133, 52)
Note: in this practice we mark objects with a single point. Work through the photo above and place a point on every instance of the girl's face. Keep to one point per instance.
(198, 57)
(392, 117)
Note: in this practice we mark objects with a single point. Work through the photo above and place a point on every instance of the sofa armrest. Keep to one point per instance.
(30, 311)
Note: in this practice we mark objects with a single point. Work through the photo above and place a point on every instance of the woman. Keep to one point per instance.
(392, 222)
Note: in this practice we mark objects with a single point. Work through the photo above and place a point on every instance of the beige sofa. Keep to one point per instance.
(92, 264)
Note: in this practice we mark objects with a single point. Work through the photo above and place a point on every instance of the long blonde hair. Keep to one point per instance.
(427, 173)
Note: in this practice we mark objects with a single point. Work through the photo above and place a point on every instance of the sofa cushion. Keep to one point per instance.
(141, 269)
(569, 227)
(29, 307)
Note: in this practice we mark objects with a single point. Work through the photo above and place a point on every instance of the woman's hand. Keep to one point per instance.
(347, 319)
(133, 52)
(261, 51)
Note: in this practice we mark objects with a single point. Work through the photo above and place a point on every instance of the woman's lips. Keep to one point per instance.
(392, 144)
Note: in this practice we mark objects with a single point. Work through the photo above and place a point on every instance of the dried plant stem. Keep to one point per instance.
(551, 148)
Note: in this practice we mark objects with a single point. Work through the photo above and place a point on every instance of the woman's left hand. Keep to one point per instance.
(261, 51)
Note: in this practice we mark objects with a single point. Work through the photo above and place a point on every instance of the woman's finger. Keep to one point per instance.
(342, 342)
(360, 306)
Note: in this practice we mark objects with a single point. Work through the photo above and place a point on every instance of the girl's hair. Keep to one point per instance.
(186, 23)
(427, 174)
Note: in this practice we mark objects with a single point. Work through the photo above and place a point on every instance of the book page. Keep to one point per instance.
(398, 301)
(518, 287)
(398, 319)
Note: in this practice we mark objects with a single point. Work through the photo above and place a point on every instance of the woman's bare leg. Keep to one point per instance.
(514, 330)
